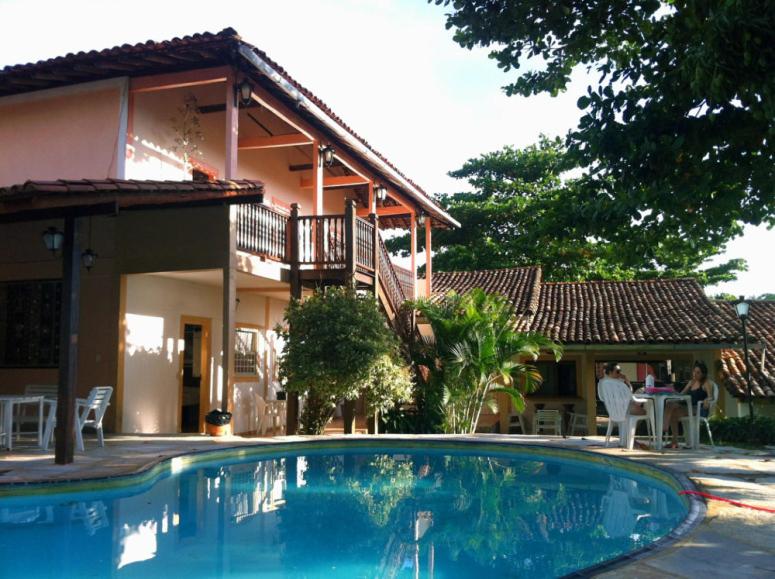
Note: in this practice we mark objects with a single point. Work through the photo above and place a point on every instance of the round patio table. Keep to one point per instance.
(658, 399)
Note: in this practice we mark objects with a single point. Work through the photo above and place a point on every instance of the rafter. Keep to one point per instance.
(291, 140)
(384, 211)
(329, 182)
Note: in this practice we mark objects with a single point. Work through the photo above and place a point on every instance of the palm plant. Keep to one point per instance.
(477, 351)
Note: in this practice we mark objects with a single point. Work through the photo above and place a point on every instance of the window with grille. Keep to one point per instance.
(246, 352)
(29, 323)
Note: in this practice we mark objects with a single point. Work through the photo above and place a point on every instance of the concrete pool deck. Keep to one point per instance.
(730, 541)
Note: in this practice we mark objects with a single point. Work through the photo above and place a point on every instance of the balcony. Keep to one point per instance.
(326, 250)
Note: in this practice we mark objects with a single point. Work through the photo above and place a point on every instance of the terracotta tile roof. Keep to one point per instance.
(761, 323)
(520, 285)
(674, 311)
(39, 196)
(126, 185)
(668, 311)
(152, 57)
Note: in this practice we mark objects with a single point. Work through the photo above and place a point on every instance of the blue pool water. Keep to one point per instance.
(357, 513)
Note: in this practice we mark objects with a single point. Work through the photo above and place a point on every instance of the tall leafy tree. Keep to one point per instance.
(521, 210)
(678, 131)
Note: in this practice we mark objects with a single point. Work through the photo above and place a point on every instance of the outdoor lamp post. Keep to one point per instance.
(52, 238)
(742, 308)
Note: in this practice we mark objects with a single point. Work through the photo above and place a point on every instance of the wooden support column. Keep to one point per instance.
(348, 416)
(413, 251)
(292, 400)
(231, 148)
(232, 129)
(68, 344)
(428, 258)
(350, 240)
(375, 246)
(294, 257)
(372, 199)
(317, 179)
(229, 306)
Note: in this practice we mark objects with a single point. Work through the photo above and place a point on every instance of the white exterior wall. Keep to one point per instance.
(154, 307)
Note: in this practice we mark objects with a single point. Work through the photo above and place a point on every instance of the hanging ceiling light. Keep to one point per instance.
(327, 155)
(244, 92)
(53, 238)
(380, 192)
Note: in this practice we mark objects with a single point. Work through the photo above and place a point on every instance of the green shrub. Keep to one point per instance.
(740, 430)
(336, 344)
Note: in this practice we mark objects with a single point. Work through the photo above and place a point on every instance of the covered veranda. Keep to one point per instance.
(66, 209)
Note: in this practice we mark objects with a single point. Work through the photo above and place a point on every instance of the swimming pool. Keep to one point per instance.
(346, 509)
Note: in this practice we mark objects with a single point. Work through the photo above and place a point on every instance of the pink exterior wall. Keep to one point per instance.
(151, 149)
(153, 154)
(72, 134)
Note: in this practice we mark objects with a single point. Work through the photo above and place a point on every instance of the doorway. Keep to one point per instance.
(194, 373)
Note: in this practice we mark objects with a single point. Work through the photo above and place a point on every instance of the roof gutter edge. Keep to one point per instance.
(267, 70)
(663, 346)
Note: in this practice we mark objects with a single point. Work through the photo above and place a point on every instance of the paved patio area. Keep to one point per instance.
(730, 541)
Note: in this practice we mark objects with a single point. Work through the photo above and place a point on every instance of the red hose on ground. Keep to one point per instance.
(731, 502)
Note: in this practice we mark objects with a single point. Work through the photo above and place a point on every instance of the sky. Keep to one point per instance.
(389, 68)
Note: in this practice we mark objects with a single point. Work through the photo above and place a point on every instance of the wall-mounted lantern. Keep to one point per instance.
(244, 92)
(421, 219)
(327, 154)
(88, 259)
(380, 192)
(53, 238)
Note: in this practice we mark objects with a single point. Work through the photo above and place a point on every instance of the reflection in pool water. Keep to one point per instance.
(353, 514)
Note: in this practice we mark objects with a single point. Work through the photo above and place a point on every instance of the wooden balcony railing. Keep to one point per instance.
(262, 230)
(322, 241)
(406, 279)
(325, 242)
(389, 279)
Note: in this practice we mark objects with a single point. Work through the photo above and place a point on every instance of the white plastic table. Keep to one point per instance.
(658, 400)
(8, 402)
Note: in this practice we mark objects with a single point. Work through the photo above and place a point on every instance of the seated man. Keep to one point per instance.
(614, 371)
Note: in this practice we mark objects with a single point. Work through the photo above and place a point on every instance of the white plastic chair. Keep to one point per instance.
(517, 420)
(699, 418)
(576, 421)
(616, 396)
(88, 412)
(260, 414)
(96, 403)
(547, 420)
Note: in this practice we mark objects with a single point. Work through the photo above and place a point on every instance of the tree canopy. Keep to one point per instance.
(521, 210)
(678, 130)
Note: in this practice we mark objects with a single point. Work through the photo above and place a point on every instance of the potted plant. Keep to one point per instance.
(218, 423)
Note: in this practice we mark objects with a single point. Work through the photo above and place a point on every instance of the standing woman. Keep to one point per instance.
(700, 388)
